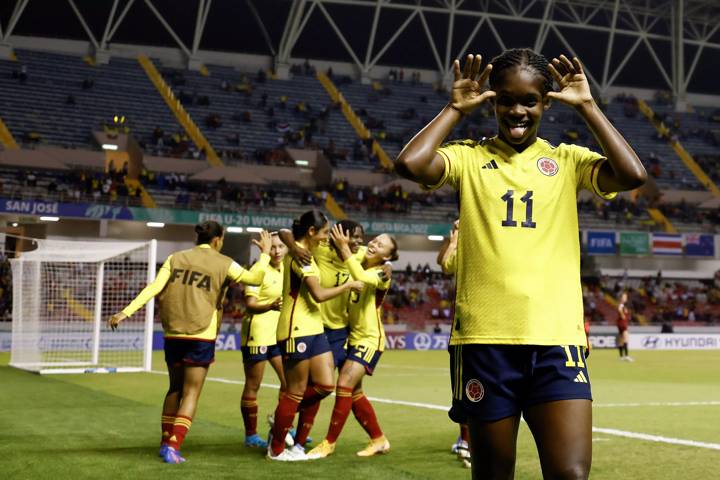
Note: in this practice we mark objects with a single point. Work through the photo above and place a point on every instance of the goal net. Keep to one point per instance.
(63, 294)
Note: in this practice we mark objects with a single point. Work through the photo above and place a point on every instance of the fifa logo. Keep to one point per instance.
(190, 277)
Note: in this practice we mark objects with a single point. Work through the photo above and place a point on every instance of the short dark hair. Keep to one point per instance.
(524, 58)
(206, 231)
(312, 218)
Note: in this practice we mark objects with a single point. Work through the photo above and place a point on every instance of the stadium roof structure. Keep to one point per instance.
(661, 44)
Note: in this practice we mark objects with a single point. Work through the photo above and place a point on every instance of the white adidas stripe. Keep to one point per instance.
(608, 431)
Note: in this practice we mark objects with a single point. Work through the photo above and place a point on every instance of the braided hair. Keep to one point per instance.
(522, 58)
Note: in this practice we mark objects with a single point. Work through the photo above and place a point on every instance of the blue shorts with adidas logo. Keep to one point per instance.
(490, 382)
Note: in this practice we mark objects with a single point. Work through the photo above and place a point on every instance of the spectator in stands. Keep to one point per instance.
(213, 121)
(88, 83)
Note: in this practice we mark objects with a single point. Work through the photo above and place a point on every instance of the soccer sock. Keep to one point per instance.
(249, 409)
(180, 428)
(464, 433)
(309, 408)
(284, 416)
(625, 348)
(343, 405)
(166, 426)
(365, 414)
(620, 349)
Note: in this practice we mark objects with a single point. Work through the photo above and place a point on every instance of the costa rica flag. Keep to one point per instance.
(667, 244)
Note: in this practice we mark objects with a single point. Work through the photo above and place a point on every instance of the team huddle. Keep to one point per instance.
(311, 311)
(517, 340)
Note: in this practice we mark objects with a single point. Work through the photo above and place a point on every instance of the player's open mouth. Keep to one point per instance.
(517, 129)
(371, 250)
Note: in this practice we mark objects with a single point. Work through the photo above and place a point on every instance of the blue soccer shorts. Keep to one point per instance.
(179, 351)
(259, 353)
(490, 382)
(337, 338)
(303, 348)
(368, 357)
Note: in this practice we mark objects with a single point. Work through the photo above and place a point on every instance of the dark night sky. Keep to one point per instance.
(232, 28)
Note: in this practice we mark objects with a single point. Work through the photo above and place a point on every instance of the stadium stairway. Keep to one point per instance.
(180, 113)
(334, 207)
(661, 219)
(681, 152)
(6, 137)
(145, 197)
(352, 118)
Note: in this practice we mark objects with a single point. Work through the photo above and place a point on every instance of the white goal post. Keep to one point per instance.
(63, 294)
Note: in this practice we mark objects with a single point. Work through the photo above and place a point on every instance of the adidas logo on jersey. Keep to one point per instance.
(580, 378)
(491, 165)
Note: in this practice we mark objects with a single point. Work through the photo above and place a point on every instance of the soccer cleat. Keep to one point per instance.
(289, 439)
(298, 449)
(628, 358)
(463, 450)
(286, 455)
(163, 449)
(254, 441)
(454, 448)
(466, 463)
(172, 456)
(375, 447)
(323, 449)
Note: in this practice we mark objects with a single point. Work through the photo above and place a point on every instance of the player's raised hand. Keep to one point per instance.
(468, 90)
(339, 237)
(115, 320)
(570, 77)
(264, 243)
(300, 254)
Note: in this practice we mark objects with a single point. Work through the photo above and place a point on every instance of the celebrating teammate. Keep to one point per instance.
(307, 359)
(623, 321)
(447, 259)
(192, 284)
(517, 337)
(366, 341)
(333, 273)
(259, 344)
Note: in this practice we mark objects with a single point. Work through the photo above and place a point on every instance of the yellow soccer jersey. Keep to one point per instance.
(333, 273)
(300, 314)
(261, 329)
(365, 308)
(518, 265)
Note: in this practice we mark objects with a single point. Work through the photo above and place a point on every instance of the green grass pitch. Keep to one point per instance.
(107, 426)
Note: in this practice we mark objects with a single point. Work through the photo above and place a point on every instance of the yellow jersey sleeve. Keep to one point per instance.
(304, 271)
(587, 168)
(455, 155)
(368, 277)
(155, 287)
(252, 291)
(254, 276)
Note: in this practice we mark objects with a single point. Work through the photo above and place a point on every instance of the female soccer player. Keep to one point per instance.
(333, 273)
(623, 321)
(300, 334)
(192, 284)
(447, 259)
(367, 337)
(259, 343)
(517, 336)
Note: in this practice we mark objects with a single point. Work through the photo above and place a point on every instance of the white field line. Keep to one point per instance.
(608, 431)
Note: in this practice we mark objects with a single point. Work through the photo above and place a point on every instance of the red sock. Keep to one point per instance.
(249, 410)
(166, 426)
(284, 416)
(464, 432)
(365, 414)
(180, 428)
(343, 405)
(309, 408)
